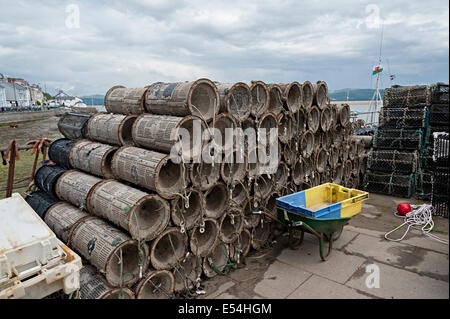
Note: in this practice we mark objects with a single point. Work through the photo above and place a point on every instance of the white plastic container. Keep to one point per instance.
(33, 262)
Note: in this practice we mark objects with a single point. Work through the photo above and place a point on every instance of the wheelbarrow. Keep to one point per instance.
(323, 211)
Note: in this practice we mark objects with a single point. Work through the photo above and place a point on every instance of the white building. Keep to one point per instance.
(2, 96)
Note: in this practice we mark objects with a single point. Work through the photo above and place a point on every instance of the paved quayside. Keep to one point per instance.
(417, 267)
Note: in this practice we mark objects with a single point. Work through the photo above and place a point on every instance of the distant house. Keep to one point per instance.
(17, 95)
(2, 96)
(36, 95)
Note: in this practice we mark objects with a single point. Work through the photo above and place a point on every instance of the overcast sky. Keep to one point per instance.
(135, 43)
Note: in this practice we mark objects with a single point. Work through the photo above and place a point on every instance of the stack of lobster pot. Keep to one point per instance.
(401, 162)
(166, 188)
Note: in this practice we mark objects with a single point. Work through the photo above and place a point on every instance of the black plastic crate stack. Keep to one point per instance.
(440, 178)
(394, 163)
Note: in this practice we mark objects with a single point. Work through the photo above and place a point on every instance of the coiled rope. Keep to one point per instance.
(420, 217)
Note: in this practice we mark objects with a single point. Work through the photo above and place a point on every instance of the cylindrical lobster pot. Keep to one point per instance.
(46, 177)
(313, 115)
(343, 112)
(285, 127)
(216, 261)
(92, 157)
(230, 226)
(338, 173)
(62, 218)
(307, 144)
(250, 219)
(74, 187)
(320, 94)
(290, 152)
(315, 179)
(298, 172)
(122, 100)
(348, 131)
(260, 234)
(339, 135)
(143, 215)
(333, 158)
(152, 170)
(200, 98)
(308, 168)
(204, 237)
(352, 151)
(347, 170)
(276, 99)
(110, 250)
(317, 141)
(235, 99)
(188, 273)
(325, 119)
(115, 129)
(299, 123)
(355, 166)
(204, 175)
(223, 123)
(362, 163)
(293, 95)
(93, 285)
(239, 194)
(41, 202)
(267, 122)
(234, 168)
(308, 94)
(366, 140)
(162, 132)
(263, 186)
(156, 284)
(281, 176)
(321, 160)
(168, 248)
(216, 200)
(73, 125)
(260, 98)
(59, 152)
(186, 214)
(334, 115)
(241, 246)
(327, 139)
(271, 204)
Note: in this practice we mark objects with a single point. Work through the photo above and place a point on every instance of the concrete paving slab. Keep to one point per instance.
(321, 288)
(338, 268)
(400, 284)
(222, 288)
(401, 255)
(280, 280)
(414, 237)
(345, 238)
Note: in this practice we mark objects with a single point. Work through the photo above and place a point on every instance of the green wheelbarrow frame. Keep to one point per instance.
(323, 228)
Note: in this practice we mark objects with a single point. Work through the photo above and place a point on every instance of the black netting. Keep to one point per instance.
(393, 161)
(439, 115)
(407, 96)
(390, 184)
(402, 118)
(399, 139)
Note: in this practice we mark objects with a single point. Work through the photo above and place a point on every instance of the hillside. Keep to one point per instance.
(353, 94)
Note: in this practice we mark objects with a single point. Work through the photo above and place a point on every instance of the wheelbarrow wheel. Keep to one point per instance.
(336, 235)
(295, 243)
(321, 247)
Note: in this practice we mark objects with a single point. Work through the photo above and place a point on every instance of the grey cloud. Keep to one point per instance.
(139, 42)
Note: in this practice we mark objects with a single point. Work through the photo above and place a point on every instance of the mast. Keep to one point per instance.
(376, 98)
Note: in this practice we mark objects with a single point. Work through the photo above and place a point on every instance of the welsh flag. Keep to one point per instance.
(377, 69)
